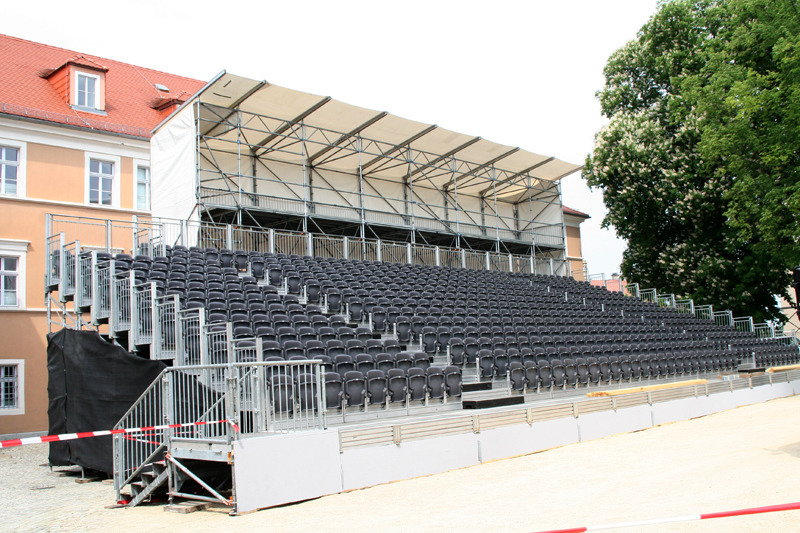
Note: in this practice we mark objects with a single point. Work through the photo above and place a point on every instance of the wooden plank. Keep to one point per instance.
(784, 368)
(648, 388)
(186, 507)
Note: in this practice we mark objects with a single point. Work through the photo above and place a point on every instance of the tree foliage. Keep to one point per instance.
(699, 162)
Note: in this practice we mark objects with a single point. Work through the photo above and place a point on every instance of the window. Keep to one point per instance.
(87, 91)
(12, 273)
(9, 169)
(101, 182)
(12, 167)
(12, 398)
(9, 273)
(142, 188)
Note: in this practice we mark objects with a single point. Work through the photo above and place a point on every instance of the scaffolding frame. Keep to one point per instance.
(328, 167)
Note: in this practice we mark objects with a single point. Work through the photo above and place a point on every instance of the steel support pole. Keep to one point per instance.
(413, 201)
(453, 167)
(239, 165)
(305, 176)
(496, 212)
(362, 213)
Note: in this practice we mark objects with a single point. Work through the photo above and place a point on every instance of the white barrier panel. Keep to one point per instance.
(522, 439)
(310, 469)
(364, 467)
(598, 425)
(323, 469)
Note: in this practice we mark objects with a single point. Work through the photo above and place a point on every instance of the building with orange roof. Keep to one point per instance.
(74, 139)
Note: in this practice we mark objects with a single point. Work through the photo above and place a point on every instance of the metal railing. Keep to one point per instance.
(787, 337)
(474, 260)
(560, 267)
(394, 252)
(53, 246)
(648, 295)
(236, 399)
(425, 255)
(632, 289)
(150, 236)
(500, 262)
(521, 264)
(543, 266)
(290, 243)
(121, 308)
(167, 334)
(743, 323)
(192, 322)
(359, 249)
(764, 330)
(101, 292)
(144, 297)
(666, 300)
(218, 338)
(723, 318)
(69, 265)
(594, 279)
(704, 312)
(85, 274)
(333, 247)
(685, 306)
(133, 451)
(249, 239)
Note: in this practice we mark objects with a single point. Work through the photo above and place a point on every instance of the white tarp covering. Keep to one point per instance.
(329, 122)
(172, 161)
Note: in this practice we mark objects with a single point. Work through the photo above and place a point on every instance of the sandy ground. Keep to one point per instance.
(747, 457)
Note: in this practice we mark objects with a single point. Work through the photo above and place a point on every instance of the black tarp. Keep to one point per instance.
(92, 383)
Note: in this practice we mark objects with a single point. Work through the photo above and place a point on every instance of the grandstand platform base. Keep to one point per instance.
(477, 386)
(752, 371)
(359, 455)
(487, 403)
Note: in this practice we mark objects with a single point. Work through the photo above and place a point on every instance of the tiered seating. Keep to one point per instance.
(364, 320)
(261, 297)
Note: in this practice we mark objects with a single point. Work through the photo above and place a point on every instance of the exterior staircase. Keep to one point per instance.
(151, 481)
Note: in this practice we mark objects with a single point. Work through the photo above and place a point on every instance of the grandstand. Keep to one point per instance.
(353, 354)
(326, 338)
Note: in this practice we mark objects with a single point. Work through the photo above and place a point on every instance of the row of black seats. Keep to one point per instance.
(353, 388)
(542, 374)
(515, 284)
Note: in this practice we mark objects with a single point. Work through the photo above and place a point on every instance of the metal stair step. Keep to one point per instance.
(147, 488)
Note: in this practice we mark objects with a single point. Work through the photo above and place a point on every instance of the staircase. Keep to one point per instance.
(85, 290)
(150, 482)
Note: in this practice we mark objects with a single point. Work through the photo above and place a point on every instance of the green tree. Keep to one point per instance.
(749, 96)
(681, 163)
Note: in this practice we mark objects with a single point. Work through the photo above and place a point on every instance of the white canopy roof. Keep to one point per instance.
(331, 126)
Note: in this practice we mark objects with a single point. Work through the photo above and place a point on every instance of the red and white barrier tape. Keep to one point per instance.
(739, 512)
(88, 434)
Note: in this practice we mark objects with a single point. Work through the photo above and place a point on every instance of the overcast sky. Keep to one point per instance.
(522, 73)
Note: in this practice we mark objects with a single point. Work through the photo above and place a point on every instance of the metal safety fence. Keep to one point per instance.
(167, 334)
(144, 299)
(101, 292)
(121, 310)
(151, 237)
(218, 403)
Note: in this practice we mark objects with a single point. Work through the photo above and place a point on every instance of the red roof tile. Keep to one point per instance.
(130, 94)
(574, 212)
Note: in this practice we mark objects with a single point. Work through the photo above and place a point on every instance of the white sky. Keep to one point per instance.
(522, 73)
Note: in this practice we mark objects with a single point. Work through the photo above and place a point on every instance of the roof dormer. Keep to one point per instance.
(82, 84)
